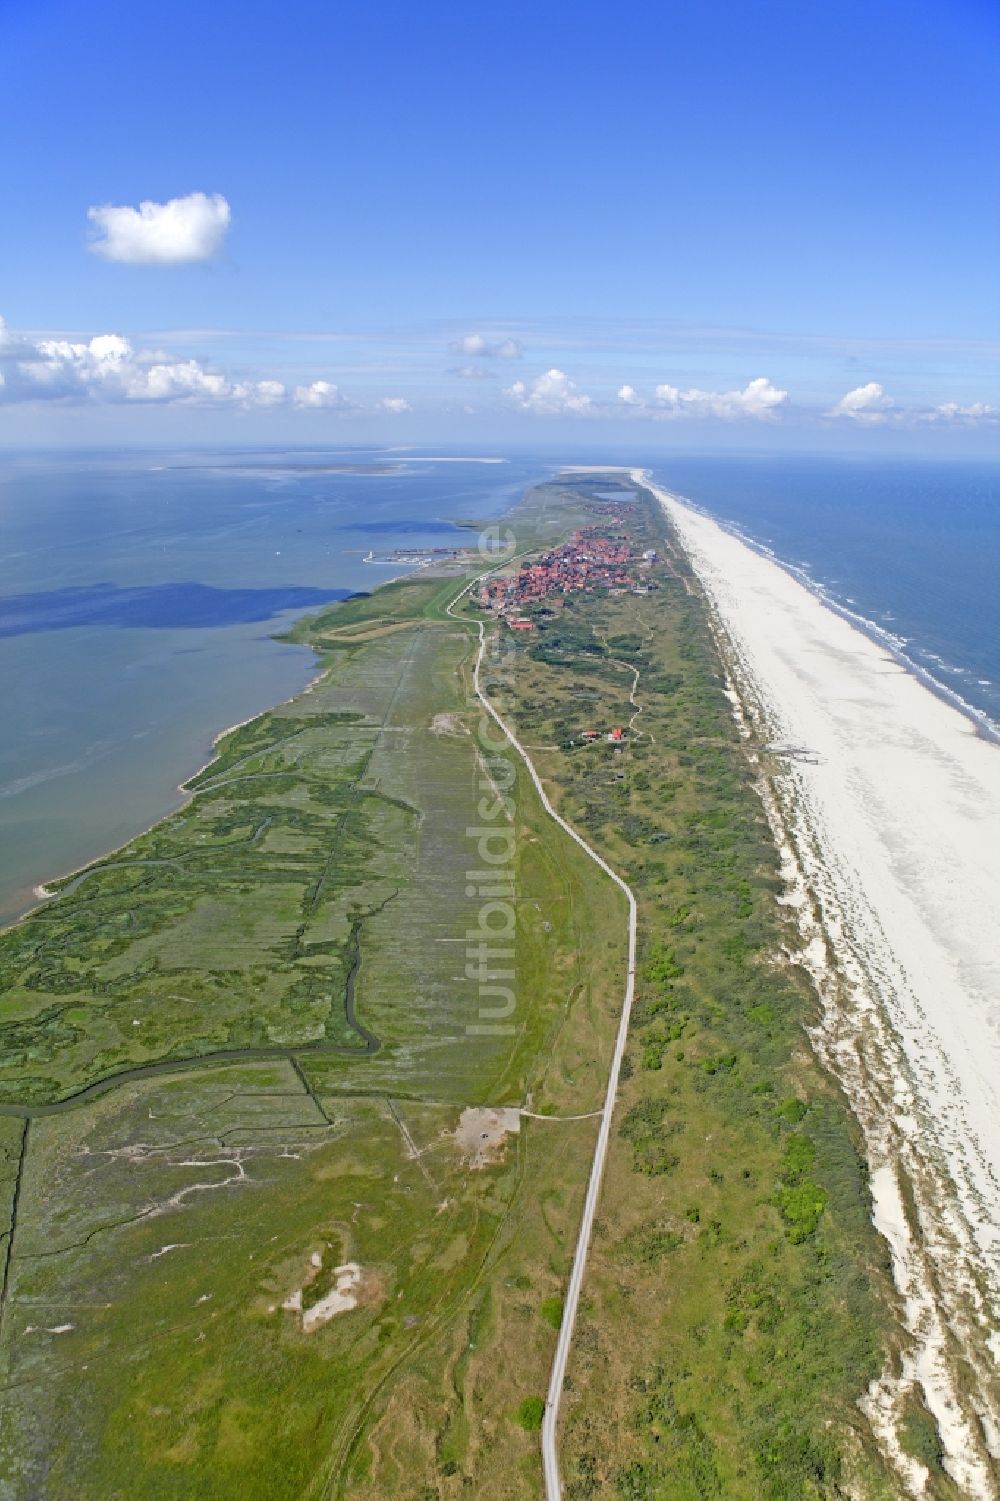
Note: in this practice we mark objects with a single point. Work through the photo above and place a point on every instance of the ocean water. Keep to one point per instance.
(139, 598)
(910, 550)
(140, 594)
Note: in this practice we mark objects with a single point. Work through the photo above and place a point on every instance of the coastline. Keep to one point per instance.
(824, 1309)
(115, 774)
(882, 800)
(894, 645)
(44, 892)
(217, 740)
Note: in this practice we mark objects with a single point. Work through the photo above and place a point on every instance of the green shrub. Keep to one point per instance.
(661, 965)
(530, 1413)
(799, 1157)
(724, 1063)
(646, 1129)
(551, 1311)
(919, 1437)
(801, 1207)
(648, 1244)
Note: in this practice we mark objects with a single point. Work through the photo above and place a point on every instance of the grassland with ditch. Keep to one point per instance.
(235, 1056)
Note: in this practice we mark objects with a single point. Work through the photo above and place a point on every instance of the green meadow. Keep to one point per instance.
(244, 1065)
(737, 1301)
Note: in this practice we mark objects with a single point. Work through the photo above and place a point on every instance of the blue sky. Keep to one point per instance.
(504, 222)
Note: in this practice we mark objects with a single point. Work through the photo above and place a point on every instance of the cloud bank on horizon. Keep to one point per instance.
(107, 369)
(180, 232)
(870, 406)
(758, 401)
(554, 394)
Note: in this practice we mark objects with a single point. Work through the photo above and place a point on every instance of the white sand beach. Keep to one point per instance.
(887, 805)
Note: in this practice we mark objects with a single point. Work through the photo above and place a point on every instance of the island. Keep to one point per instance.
(448, 1099)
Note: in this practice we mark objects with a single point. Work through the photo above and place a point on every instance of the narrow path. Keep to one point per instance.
(628, 667)
(633, 700)
(535, 1115)
(550, 1421)
(631, 697)
(411, 1145)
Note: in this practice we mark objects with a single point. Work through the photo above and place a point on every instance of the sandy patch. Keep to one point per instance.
(447, 724)
(888, 815)
(344, 1294)
(482, 1134)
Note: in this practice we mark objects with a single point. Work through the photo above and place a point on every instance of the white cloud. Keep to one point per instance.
(470, 344)
(552, 392)
(473, 372)
(321, 394)
(866, 404)
(269, 393)
(965, 416)
(480, 345)
(759, 401)
(870, 406)
(176, 233)
(630, 397)
(106, 368)
(174, 380)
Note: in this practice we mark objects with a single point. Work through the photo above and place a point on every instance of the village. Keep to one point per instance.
(590, 560)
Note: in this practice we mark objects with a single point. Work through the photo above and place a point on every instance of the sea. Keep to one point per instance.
(140, 597)
(141, 594)
(910, 552)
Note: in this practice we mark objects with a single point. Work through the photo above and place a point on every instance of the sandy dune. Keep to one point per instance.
(887, 804)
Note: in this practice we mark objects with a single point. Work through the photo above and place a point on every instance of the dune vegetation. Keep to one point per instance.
(275, 1224)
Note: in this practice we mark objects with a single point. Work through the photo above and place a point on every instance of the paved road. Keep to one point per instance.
(550, 1454)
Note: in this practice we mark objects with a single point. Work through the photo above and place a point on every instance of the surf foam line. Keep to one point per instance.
(889, 992)
(895, 644)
